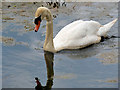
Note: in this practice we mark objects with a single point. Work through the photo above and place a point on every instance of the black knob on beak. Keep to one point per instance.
(35, 30)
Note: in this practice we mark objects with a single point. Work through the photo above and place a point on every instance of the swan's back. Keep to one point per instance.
(75, 31)
(80, 34)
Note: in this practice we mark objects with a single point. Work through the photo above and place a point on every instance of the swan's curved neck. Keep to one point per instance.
(48, 45)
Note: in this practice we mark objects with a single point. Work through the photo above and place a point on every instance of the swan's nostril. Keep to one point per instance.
(35, 30)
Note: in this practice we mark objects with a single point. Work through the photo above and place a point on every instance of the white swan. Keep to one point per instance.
(75, 35)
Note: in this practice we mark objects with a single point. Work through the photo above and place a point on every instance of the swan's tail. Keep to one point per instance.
(105, 28)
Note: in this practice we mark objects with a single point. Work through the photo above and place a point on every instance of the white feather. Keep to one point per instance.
(79, 34)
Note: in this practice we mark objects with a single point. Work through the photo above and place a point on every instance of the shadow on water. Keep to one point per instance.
(81, 53)
(49, 58)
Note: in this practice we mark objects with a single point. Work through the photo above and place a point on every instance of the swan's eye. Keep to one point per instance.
(37, 19)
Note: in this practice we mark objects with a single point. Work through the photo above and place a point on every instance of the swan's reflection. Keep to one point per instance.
(49, 58)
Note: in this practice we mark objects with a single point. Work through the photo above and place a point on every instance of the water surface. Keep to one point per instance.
(23, 57)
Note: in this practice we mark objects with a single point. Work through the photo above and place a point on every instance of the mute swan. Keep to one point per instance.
(75, 35)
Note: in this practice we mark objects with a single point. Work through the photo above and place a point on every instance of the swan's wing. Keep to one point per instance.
(76, 34)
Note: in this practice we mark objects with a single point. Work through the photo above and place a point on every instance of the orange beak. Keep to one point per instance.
(37, 27)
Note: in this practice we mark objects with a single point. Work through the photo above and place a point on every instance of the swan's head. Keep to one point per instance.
(41, 13)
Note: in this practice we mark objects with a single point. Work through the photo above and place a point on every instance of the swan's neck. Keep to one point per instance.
(48, 45)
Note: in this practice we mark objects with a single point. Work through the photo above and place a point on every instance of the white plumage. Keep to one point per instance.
(79, 34)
